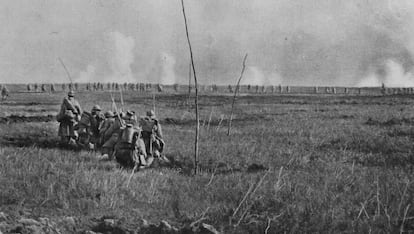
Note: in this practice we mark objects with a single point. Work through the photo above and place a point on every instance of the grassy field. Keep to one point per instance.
(295, 164)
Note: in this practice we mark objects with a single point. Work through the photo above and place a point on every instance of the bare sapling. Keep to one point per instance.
(67, 72)
(235, 94)
(196, 93)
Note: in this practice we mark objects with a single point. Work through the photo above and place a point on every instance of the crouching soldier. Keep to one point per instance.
(68, 116)
(88, 128)
(111, 136)
(152, 136)
(106, 124)
(130, 148)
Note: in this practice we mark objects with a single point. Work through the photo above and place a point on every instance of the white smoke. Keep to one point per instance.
(253, 75)
(121, 56)
(168, 69)
(395, 76)
(87, 75)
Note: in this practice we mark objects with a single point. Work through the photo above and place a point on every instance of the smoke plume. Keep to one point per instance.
(121, 56)
(301, 42)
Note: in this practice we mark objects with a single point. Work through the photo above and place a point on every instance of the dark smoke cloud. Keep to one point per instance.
(300, 42)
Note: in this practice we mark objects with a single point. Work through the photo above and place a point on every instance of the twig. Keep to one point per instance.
(219, 124)
(196, 93)
(268, 225)
(212, 177)
(132, 174)
(153, 102)
(209, 118)
(235, 94)
(378, 213)
(402, 197)
(203, 217)
(405, 215)
(67, 72)
(250, 191)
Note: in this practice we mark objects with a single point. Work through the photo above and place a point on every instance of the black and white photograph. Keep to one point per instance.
(206, 116)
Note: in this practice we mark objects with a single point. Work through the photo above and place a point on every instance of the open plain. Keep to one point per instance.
(293, 163)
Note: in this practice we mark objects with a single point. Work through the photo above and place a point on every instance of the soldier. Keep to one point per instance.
(52, 88)
(88, 128)
(159, 88)
(4, 93)
(69, 115)
(130, 149)
(35, 87)
(43, 87)
(106, 124)
(29, 87)
(112, 135)
(152, 136)
(130, 118)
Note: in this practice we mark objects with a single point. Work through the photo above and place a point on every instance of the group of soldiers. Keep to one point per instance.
(119, 135)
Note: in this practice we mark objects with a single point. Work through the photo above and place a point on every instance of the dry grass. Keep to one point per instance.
(341, 174)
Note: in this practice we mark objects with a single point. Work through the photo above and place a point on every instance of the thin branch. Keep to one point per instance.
(235, 94)
(196, 92)
(67, 72)
(250, 191)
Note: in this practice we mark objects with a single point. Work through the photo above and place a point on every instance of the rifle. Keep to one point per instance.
(117, 112)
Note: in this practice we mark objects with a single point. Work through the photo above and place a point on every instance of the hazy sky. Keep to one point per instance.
(299, 42)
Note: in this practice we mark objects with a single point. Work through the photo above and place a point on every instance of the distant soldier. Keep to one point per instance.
(230, 88)
(4, 93)
(35, 87)
(176, 87)
(152, 136)
(69, 115)
(383, 90)
(63, 86)
(29, 87)
(130, 149)
(76, 86)
(88, 128)
(159, 88)
(108, 86)
(43, 88)
(70, 86)
(52, 88)
(249, 87)
(137, 86)
(257, 88)
(116, 86)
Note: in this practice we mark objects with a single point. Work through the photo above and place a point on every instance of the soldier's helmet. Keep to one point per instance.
(109, 114)
(151, 114)
(96, 108)
(71, 93)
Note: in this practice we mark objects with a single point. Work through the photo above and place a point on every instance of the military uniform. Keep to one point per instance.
(4, 93)
(106, 124)
(88, 128)
(152, 135)
(130, 148)
(68, 116)
(112, 134)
